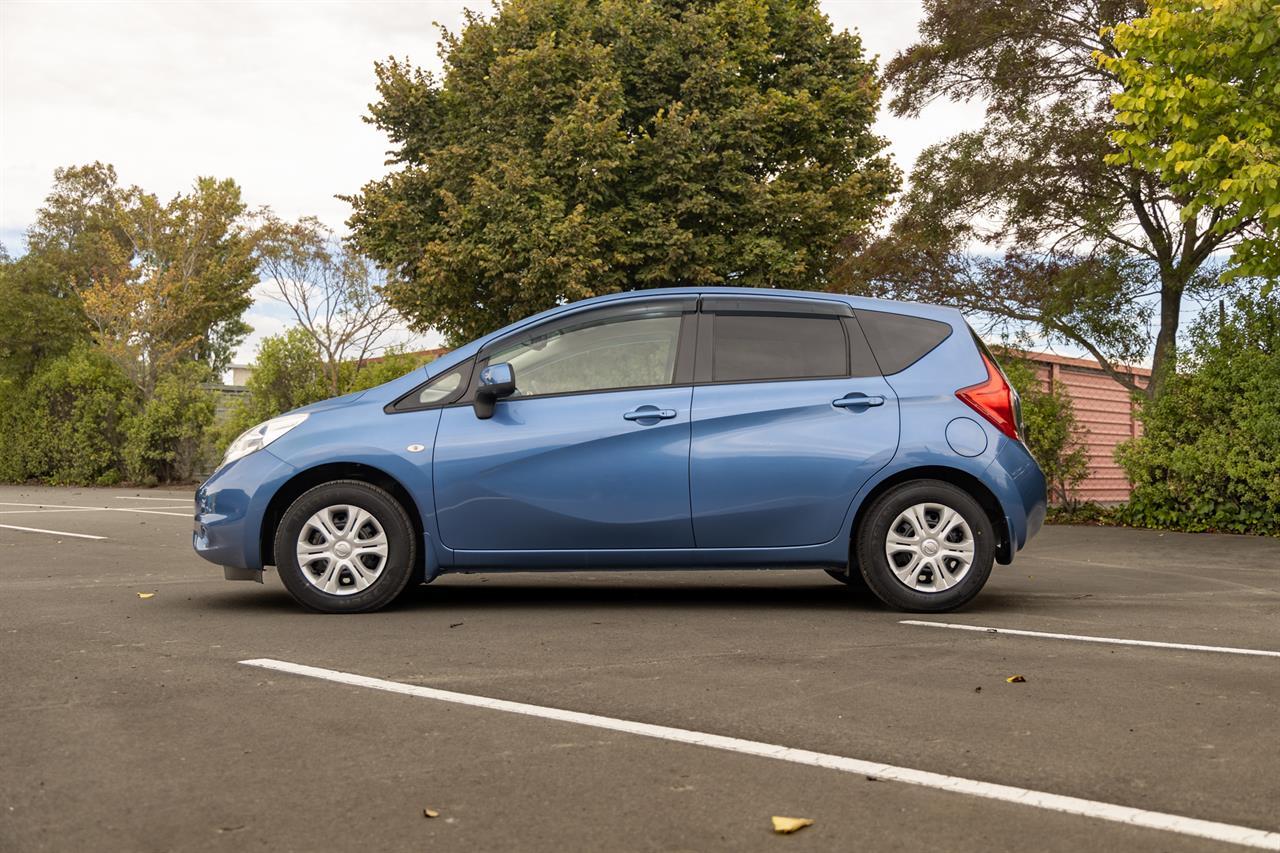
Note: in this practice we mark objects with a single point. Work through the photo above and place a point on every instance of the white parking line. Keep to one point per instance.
(130, 498)
(89, 509)
(1229, 833)
(54, 532)
(1189, 647)
(67, 507)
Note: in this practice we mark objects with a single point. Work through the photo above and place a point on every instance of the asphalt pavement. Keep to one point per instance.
(130, 723)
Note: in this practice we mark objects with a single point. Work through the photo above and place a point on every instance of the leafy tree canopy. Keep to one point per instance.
(1026, 220)
(580, 147)
(152, 281)
(335, 294)
(1200, 109)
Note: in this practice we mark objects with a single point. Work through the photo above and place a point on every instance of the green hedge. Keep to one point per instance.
(167, 441)
(67, 423)
(79, 420)
(1209, 456)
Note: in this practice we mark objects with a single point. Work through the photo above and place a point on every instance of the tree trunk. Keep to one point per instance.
(1164, 362)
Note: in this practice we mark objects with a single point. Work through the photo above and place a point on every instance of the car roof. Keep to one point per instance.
(866, 303)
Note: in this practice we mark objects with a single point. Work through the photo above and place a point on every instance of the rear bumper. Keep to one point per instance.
(230, 507)
(1019, 485)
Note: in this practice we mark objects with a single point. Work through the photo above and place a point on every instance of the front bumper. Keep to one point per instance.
(230, 507)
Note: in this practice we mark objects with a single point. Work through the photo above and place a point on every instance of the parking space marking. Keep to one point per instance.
(82, 509)
(165, 500)
(1229, 833)
(65, 507)
(54, 532)
(1189, 647)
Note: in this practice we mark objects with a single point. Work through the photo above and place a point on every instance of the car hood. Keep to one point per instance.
(331, 403)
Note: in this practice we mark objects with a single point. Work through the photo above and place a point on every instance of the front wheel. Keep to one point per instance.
(345, 547)
(926, 546)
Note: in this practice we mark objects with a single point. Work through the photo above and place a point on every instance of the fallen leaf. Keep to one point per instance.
(1015, 679)
(146, 595)
(787, 825)
(430, 813)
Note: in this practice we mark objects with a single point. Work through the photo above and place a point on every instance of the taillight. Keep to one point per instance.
(993, 399)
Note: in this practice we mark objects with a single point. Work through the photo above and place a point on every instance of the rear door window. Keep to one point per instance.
(755, 347)
(900, 340)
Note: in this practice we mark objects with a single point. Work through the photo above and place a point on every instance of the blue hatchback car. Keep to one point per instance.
(691, 428)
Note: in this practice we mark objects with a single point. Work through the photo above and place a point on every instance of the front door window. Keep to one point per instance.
(617, 353)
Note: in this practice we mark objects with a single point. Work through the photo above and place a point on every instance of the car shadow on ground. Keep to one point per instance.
(480, 593)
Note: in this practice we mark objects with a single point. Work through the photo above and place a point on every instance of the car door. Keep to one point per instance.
(592, 450)
(790, 418)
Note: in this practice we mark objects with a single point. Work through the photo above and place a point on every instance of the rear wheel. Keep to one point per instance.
(345, 547)
(925, 546)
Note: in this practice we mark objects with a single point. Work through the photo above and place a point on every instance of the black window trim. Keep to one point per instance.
(693, 351)
(763, 306)
(682, 376)
(406, 403)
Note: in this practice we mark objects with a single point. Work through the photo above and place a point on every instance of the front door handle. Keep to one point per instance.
(858, 400)
(650, 413)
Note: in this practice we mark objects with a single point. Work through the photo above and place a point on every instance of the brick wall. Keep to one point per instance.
(1104, 408)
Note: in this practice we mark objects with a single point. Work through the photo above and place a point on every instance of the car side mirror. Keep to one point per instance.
(496, 381)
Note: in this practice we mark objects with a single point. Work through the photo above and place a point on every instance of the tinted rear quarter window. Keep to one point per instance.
(900, 340)
(749, 347)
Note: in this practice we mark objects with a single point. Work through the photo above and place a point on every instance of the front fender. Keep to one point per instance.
(383, 443)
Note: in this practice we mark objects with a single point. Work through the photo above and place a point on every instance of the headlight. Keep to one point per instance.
(260, 436)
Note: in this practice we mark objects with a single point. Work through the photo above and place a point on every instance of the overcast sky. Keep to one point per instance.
(269, 93)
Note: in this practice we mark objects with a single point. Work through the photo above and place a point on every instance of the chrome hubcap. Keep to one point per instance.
(342, 549)
(930, 547)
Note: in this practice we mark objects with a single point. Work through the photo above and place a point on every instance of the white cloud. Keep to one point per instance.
(271, 94)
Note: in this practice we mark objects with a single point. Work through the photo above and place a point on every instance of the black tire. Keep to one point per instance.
(874, 563)
(387, 513)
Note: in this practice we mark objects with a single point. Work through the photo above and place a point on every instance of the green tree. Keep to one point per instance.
(392, 364)
(580, 147)
(1208, 457)
(1200, 109)
(152, 281)
(66, 424)
(288, 373)
(1054, 433)
(291, 371)
(1026, 220)
(37, 322)
(333, 292)
(167, 440)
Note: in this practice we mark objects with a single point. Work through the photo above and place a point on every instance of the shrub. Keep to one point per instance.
(393, 364)
(1209, 456)
(289, 373)
(1054, 434)
(167, 441)
(67, 425)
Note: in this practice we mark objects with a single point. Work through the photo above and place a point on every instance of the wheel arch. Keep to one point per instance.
(309, 478)
(956, 477)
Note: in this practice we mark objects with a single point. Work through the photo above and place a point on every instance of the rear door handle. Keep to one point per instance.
(650, 413)
(858, 400)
